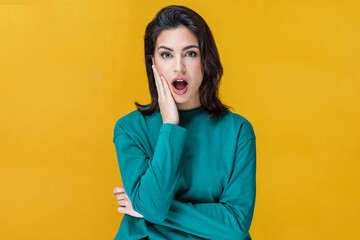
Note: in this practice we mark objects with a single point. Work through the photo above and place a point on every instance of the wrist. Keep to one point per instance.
(171, 122)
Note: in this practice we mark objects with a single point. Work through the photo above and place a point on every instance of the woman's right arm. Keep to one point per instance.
(150, 181)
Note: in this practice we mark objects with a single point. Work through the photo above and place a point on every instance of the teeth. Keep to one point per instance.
(179, 80)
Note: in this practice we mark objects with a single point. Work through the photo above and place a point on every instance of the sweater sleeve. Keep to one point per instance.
(149, 182)
(232, 216)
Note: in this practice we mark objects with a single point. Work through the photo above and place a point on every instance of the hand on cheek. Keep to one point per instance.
(167, 105)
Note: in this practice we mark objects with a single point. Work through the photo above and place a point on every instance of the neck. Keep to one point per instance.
(188, 105)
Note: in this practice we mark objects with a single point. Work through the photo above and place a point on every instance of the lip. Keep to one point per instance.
(180, 92)
(179, 78)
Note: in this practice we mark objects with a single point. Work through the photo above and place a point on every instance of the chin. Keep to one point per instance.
(181, 100)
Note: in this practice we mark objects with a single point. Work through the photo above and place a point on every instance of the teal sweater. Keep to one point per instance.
(195, 180)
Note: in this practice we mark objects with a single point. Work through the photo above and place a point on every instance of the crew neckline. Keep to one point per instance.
(183, 114)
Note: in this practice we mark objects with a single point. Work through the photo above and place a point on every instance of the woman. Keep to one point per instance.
(187, 162)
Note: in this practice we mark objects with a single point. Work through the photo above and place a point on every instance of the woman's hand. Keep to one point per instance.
(167, 105)
(125, 203)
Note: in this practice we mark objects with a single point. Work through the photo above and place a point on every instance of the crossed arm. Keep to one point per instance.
(149, 196)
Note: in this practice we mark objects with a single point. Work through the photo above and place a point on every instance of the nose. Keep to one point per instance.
(179, 65)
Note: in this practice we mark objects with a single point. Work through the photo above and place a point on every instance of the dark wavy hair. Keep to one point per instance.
(172, 17)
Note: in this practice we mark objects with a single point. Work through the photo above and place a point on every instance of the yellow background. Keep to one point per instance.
(70, 69)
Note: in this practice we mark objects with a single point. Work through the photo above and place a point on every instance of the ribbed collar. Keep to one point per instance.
(191, 113)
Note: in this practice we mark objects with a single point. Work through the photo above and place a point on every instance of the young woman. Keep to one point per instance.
(188, 164)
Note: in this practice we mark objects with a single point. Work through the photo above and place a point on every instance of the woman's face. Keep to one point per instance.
(177, 54)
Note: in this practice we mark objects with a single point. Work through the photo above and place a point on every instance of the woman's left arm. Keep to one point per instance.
(232, 216)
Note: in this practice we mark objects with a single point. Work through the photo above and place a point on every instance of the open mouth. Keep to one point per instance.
(180, 84)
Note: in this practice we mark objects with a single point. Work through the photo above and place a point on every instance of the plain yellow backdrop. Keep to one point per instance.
(70, 69)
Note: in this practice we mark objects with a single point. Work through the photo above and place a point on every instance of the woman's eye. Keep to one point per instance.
(165, 55)
(193, 54)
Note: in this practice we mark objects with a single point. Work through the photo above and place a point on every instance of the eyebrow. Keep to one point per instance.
(185, 48)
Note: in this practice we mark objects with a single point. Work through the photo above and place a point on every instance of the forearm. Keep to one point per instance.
(232, 216)
(210, 220)
(150, 183)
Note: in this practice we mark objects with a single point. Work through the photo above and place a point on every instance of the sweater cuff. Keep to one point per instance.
(169, 127)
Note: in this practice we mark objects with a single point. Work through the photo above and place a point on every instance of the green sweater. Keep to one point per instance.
(195, 180)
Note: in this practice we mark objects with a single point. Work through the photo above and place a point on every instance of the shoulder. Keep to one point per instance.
(129, 118)
(240, 124)
(128, 122)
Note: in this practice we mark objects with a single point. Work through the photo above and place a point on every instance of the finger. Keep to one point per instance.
(122, 203)
(118, 190)
(123, 210)
(161, 88)
(120, 196)
(163, 85)
(166, 87)
(157, 83)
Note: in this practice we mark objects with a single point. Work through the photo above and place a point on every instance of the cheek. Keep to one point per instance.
(196, 70)
(197, 67)
(162, 67)
(164, 71)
